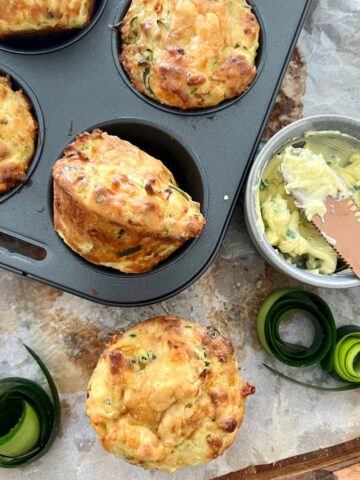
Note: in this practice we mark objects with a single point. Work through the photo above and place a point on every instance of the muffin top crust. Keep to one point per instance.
(190, 53)
(19, 17)
(119, 207)
(167, 393)
(124, 184)
(18, 133)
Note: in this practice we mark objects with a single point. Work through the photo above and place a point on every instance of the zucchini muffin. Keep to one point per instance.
(19, 17)
(117, 206)
(190, 53)
(167, 394)
(18, 133)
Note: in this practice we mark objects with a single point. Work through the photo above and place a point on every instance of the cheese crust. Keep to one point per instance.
(18, 133)
(190, 53)
(166, 394)
(117, 206)
(19, 17)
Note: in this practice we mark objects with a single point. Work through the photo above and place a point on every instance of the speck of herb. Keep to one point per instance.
(291, 234)
(120, 233)
(299, 144)
(128, 251)
(264, 185)
(164, 21)
(317, 263)
(134, 26)
(148, 54)
(301, 261)
(180, 192)
(146, 80)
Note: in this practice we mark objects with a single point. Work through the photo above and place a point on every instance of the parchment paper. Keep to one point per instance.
(69, 333)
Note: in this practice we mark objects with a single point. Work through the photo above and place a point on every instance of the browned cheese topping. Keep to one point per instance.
(167, 393)
(190, 53)
(18, 132)
(119, 207)
(18, 17)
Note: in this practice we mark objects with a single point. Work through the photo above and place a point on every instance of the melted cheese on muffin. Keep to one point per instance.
(190, 53)
(19, 17)
(18, 131)
(119, 207)
(167, 393)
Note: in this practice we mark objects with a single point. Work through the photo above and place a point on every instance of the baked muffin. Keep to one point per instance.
(166, 394)
(19, 17)
(18, 133)
(117, 206)
(190, 54)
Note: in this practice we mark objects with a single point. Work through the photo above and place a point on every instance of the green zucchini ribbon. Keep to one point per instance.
(338, 350)
(29, 419)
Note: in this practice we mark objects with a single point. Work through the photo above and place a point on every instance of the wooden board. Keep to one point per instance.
(341, 462)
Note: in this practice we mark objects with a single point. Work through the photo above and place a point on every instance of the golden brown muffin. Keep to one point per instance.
(119, 207)
(190, 53)
(18, 132)
(18, 17)
(167, 393)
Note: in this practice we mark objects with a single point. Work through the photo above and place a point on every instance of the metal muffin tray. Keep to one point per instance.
(75, 83)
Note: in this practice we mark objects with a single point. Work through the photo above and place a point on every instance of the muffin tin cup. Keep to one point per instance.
(116, 48)
(347, 125)
(175, 155)
(19, 84)
(80, 87)
(31, 44)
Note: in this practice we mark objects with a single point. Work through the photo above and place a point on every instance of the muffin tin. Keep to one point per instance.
(83, 86)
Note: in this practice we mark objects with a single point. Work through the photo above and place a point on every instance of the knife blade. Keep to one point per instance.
(340, 226)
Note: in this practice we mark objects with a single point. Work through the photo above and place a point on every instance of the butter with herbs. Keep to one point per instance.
(320, 164)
